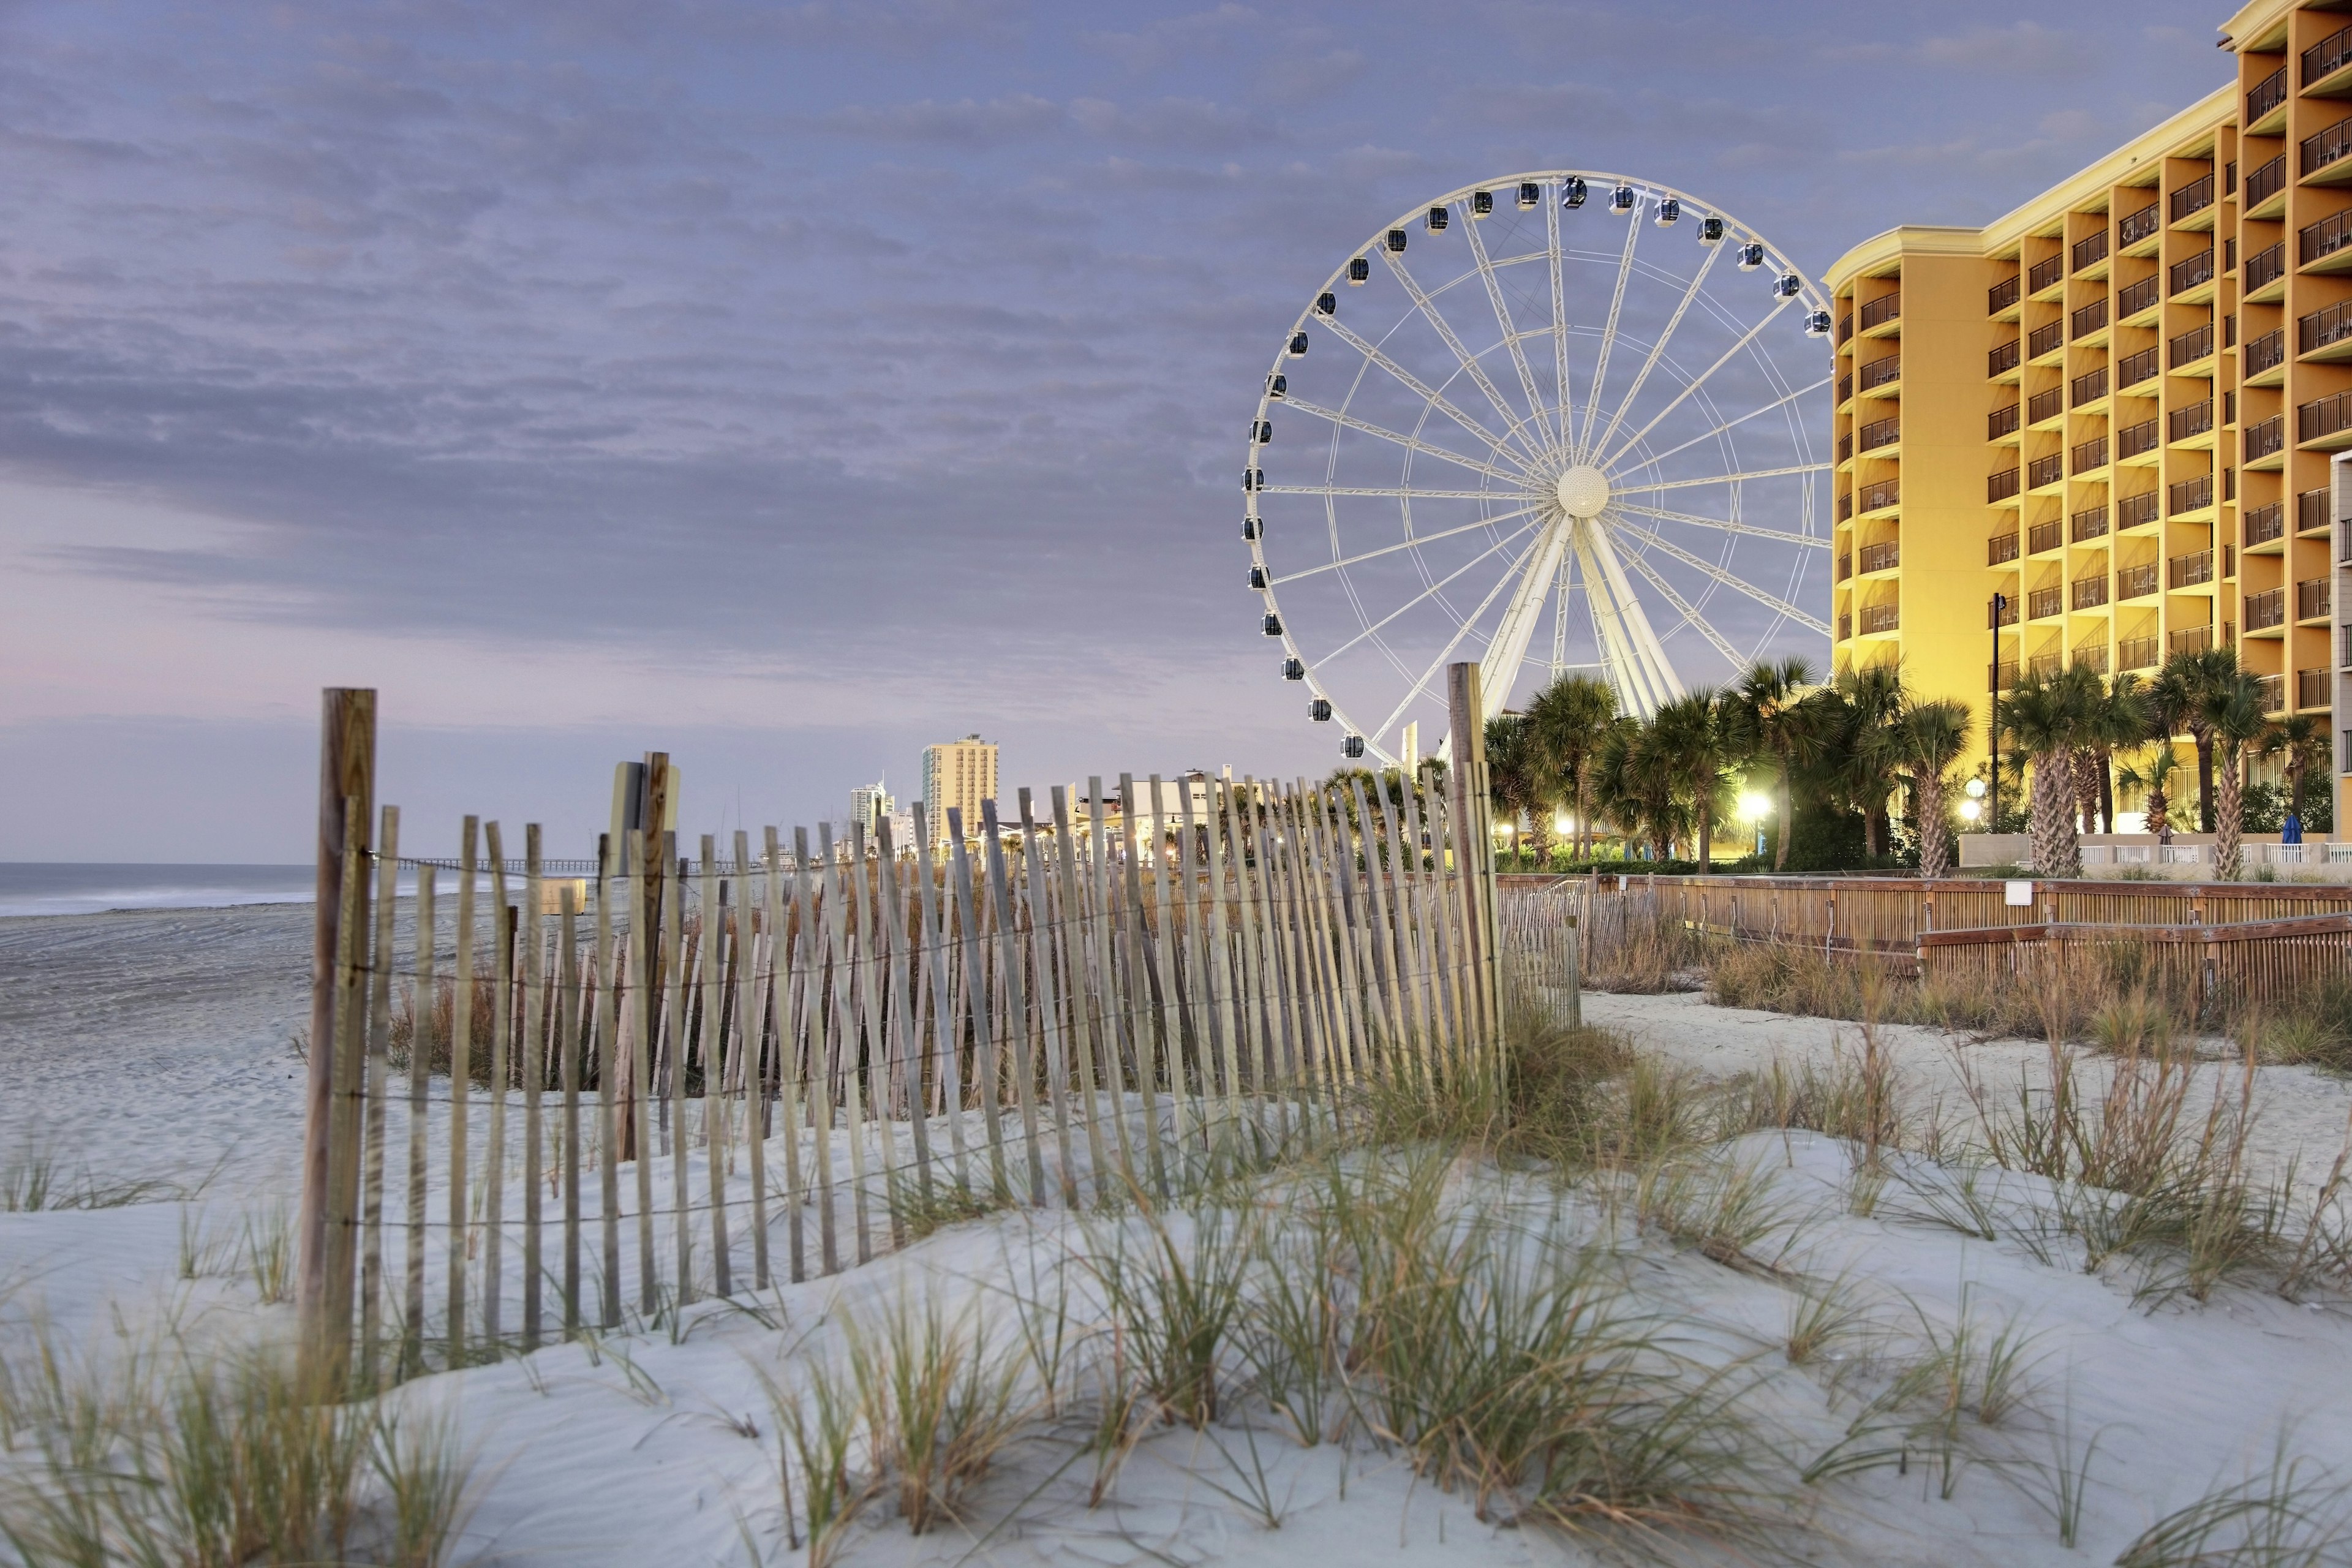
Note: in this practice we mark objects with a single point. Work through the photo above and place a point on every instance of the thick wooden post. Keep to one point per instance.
(346, 779)
(1474, 827)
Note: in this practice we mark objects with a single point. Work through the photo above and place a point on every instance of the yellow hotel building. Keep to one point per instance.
(2116, 405)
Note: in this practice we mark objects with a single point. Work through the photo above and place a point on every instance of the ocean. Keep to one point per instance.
(50, 887)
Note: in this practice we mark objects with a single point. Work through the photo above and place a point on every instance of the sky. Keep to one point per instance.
(787, 386)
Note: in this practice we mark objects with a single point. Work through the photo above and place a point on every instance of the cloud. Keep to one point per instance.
(965, 123)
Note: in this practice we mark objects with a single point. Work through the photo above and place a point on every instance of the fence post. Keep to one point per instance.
(1465, 711)
(346, 779)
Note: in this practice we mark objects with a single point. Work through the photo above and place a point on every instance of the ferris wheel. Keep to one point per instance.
(1559, 421)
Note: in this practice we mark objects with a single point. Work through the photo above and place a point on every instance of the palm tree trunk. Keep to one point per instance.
(2204, 739)
(2051, 815)
(1934, 848)
(1787, 810)
(2106, 791)
(1706, 837)
(2086, 788)
(2229, 819)
(2157, 813)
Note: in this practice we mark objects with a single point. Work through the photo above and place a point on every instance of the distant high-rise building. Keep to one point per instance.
(958, 774)
(868, 805)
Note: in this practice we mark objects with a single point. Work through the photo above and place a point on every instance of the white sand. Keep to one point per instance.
(154, 1045)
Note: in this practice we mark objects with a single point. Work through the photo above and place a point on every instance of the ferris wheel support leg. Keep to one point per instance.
(1500, 667)
(1623, 667)
(1645, 639)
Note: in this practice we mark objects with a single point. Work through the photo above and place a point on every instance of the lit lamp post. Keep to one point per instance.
(1753, 809)
(1972, 808)
(1504, 830)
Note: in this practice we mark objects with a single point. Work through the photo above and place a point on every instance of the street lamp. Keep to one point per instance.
(1971, 810)
(1753, 808)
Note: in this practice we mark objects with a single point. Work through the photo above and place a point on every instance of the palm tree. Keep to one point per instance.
(1929, 739)
(1697, 743)
(2118, 717)
(1635, 783)
(2300, 741)
(1868, 762)
(2045, 715)
(1517, 783)
(2231, 710)
(2176, 701)
(1570, 717)
(1778, 717)
(2153, 780)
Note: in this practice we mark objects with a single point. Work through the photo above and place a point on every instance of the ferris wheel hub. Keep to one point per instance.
(1583, 492)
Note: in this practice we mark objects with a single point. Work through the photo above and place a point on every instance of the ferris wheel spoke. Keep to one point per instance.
(1695, 382)
(1632, 393)
(1609, 332)
(1404, 492)
(1642, 487)
(1559, 312)
(1719, 574)
(1777, 536)
(1412, 443)
(1503, 321)
(1434, 590)
(1444, 330)
(1690, 617)
(1422, 389)
(1401, 544)
(1413, 693)
(1656, 458)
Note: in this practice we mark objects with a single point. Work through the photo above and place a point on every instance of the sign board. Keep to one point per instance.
(2018, 895)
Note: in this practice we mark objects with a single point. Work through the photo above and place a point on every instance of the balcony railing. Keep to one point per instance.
(2044, 603)
(2191, 346)
(2327, 417)
(2325, 237)
(1846, 386)
(2043, 273)
(2133, 228)
(1845, 506)
(2266, 265)
(1845, 446)
(1881, 310)
(2189, 495)
(2133, 440)
(2194, 420)
(2044, 406)
(2191, 570)
(2002, 295)
(2046, 470)
(2135, 652)
(2133, 369)
(1883, 494)
(2091, 247)
(2001, 422)
(2001, 548)
(2266, 438)
(2271, 691)
(2329, 325)
(2190, 639)
(2311, 511)
(2000, 486)
(2311, 599)
(2045, 536)
(2044, 665)
(2328, 56)
(2266, 182)
(2311, 689)
(2003, 613)
(1879, 433)
(1845, 567)
(2090, 592)
(2264, 523)
(2094, 659)
(1845, 328)
(2002, 675)
(2328, 147)
(1882, 557)
(2137, 296)
(2264, 96)
(2001, 359)
(2135, 511)
(2045, 339)
(1846, 627)
(2089, 386)
(2183, 276)
(1881, 617)
(2088, 455)
(2091, 522)
(2192, 198)
(2087, 319)
(2266, 352)
(2265, 610)
(2136, 583)
(1881, 372)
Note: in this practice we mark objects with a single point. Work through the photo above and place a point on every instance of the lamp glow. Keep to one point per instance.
(1971, 810)
(1975, 789)
(1752, 806)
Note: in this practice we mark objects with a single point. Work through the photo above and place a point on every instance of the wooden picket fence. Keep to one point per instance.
(716, 1073)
